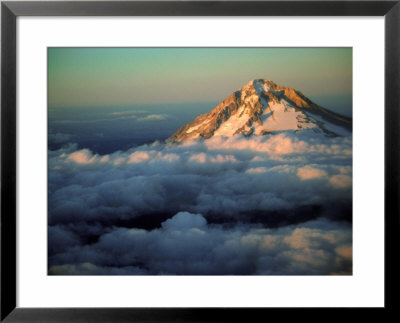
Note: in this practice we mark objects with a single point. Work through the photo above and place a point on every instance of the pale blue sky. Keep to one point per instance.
(84, 77)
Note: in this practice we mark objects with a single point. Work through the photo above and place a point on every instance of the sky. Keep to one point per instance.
(93, 77)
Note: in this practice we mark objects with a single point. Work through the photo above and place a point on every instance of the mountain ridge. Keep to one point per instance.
(262, 107)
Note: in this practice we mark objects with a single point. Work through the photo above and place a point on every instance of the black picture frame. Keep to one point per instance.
(10, 10)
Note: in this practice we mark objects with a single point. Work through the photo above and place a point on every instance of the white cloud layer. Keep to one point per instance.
(237, 205)
(186, 244)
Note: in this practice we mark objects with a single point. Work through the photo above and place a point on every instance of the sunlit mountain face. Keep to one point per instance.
(261, 184)
(263, 107)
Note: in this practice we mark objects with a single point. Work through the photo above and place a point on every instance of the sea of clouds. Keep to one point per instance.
(275, 204)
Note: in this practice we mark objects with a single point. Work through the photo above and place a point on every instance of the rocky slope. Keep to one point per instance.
(263, 107)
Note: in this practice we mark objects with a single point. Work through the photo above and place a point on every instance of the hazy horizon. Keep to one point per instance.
(339, 104)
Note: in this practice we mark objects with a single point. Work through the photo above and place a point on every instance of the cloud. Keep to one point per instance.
(87, 268)
(198, 158)
(61, 239)
(170, 178)
(256, 170)
(186, 244)
(153, 117)
(139, 115)
(185, 220)
(138, 157)
(220, 189)
(309, 172)
(83, 156)
(341, 181)
(129, 113)
(280, 144)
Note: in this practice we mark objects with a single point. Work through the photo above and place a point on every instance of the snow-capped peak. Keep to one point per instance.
(262, 107)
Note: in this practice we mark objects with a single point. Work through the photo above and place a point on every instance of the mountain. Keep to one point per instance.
(263, 107)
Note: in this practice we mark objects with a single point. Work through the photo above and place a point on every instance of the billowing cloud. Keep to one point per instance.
(309, 172)
(185, 220)
(279, 204)
(187, 244)
(83, 156)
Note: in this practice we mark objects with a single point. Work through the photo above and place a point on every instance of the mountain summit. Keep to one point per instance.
(263, 107)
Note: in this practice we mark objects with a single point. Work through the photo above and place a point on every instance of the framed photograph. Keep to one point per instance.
(197, 161)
